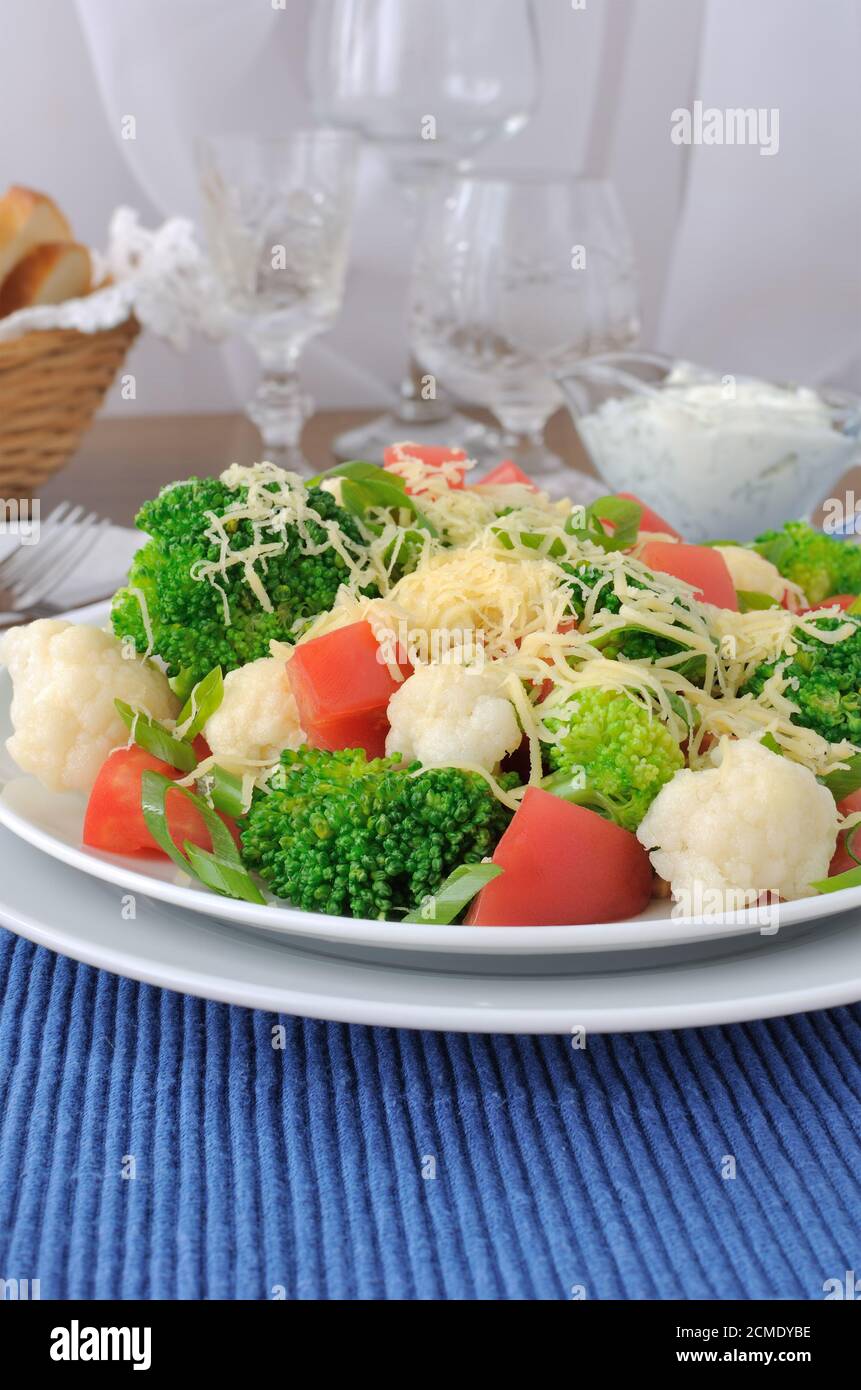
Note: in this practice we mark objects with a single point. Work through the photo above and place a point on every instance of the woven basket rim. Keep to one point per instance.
(126, 323)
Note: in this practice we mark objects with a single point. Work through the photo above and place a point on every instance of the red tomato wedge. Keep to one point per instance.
(563, 864)
(650, 521)
(431, 454)
(508, 472)
(114, 820)
(698, 565)
(842, 858)
(342, 688)
(843, 601)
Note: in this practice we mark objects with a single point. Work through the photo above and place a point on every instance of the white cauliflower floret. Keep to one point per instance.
(756, 823)
(753, 573)
(65, 679)
(258, 716)
(449, 715)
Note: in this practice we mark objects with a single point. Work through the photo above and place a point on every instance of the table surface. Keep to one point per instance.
(122, 462)
(350, 1162)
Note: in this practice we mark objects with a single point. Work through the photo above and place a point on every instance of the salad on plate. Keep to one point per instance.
(392, 693)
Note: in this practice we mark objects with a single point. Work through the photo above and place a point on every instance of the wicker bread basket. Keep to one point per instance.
(52, 381)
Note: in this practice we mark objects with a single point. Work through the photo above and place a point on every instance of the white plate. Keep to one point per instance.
(803, 968)
(108, 558)
(53, 822)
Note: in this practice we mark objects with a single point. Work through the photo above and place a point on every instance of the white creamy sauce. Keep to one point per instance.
(719, 459)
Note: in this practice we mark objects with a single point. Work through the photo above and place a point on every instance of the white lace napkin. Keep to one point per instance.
(161, 276)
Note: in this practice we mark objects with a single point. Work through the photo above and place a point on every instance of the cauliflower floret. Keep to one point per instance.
(258, 716)
(450, 715)
(65, 680)
(755, 823)
(753, 573)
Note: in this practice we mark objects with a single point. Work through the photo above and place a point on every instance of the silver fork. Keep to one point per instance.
(30, 574)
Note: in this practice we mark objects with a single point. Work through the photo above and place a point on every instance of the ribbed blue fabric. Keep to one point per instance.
(304, 1171)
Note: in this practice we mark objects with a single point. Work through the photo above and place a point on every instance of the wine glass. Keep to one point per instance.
(429, 82)
(277, 212)
(517, 277)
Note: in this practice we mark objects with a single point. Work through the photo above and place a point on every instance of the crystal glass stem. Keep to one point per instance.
(279, 406)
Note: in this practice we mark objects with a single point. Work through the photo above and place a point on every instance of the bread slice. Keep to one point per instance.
(27, 219)
(49, 274)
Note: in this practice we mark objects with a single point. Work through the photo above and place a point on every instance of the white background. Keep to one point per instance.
(748, 263)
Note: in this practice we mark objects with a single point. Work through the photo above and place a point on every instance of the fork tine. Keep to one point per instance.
(30, 563)
(20, 554)
(65, 561)
(38, 576)
(92, 525)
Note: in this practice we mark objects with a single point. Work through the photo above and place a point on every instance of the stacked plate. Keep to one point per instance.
(141, 919)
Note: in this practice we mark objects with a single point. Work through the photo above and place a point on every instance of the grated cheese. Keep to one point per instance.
(275, 502)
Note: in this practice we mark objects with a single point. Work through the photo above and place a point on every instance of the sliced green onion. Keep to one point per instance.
(154, 789)
(441, 908)
(359, 471)
(851, 836)
(684, 709)
(851, 879)
(855, 607)
(367, 485)
(226, 791)
(844, 780)
(358, 497)
(222, 877)
(750, 601)
(201, 704)
(530, 540)
(156, 739)
(623, 515)
(770, 742)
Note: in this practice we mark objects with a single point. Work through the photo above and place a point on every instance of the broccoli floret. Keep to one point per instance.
(625, 756)
(824, 681)
(186, 614)
(821, 565)
(343, 835)
(634, 644)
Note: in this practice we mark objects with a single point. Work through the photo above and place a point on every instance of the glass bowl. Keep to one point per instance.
(720, 457)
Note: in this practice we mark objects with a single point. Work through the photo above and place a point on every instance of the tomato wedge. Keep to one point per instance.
(842, 858)
(114, 820)
(342, 687)
(698, 565)
(843, 601)
(508, 472)
(563, 864)
(434, 455)
(650, 520)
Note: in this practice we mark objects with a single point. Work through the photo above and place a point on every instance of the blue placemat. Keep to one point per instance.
(155, 1146)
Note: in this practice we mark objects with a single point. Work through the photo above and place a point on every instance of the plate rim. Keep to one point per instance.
(480, 1016)
(633, 934)
(628, 935)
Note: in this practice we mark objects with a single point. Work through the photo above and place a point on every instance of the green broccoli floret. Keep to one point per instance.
(824, 681)
(625, 756)
(634, 644)
(821, 565)
(186, 614)
(340, 834)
